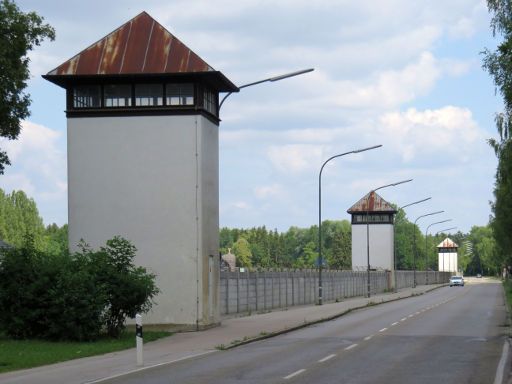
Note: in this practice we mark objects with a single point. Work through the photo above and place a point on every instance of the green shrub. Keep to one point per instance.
(72, 297)
(50, 297)
(129, 289)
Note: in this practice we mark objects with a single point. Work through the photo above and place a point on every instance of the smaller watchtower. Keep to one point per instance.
(447, 251)
(372, 225)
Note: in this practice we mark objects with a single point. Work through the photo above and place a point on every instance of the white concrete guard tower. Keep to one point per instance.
(143, 154)
(381, 235)
(448, 259)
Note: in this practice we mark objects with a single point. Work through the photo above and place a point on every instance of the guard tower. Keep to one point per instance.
(143, 154)
(447, 252)
(380, 215)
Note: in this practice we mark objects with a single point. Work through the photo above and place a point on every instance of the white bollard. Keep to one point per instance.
(138, 338)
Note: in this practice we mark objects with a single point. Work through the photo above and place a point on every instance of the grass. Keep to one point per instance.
(22, 354)
(507, 286)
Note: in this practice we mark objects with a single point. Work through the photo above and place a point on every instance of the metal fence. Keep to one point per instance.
(256, 291)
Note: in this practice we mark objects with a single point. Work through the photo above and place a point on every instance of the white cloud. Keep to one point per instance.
(449, 131)
(266, 191)
(295, 158)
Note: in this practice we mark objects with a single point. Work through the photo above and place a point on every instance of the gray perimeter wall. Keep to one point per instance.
(258, 291)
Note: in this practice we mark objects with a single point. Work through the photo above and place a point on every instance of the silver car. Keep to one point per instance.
(456, 280)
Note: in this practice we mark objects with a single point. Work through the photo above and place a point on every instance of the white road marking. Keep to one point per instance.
(410, 316)
(498, 379)
(417, 313)
(350, 347)
(368, 337)
(383, 329)
(326, 358)
(395, 323)
(148, 367)
(405, 318)
(294, 374)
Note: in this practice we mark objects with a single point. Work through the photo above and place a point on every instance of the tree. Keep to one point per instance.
(338, 244)
(242, 251)
(19, 218)
(499, 66)
(19, 33)
(340, 257)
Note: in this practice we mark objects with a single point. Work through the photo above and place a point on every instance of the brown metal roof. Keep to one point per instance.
(372, 202)
(140, 46)
(447, 243)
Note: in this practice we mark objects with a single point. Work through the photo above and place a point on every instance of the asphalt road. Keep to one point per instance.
(451, 335)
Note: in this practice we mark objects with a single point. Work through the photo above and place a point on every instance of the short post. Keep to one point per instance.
(138, 338)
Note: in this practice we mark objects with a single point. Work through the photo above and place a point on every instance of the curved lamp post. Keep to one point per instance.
(320, 259)
(414, 241)
(368, 228)
(270, 79)
(426, 249)
(394, 239)
(441, 231)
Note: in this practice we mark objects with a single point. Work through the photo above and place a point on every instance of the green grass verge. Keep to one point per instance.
(507, 286)
(22, 354)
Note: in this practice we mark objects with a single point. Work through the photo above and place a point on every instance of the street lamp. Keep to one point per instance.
(441, 231)
(368, 227)
(320, 214)
(394, 239)
(414, 241)
(270, 79)
(426, 249)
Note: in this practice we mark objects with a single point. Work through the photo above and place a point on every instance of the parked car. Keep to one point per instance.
(456, 280)
(478, 276)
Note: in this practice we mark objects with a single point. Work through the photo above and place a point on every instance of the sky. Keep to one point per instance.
(404, 74)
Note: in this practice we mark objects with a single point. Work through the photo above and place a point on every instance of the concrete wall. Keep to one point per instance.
(381, 246)
(448, 262)
(154, 181)
(258, 291)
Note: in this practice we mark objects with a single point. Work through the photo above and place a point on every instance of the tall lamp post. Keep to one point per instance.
(441, 231)
(426, 249)
(394, 240)
(414, 241)
(320, 259)
(270, 79)
(368, 228)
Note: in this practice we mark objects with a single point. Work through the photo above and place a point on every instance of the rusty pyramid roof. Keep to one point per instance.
(141, 46)
(372, 202)
(447, 243)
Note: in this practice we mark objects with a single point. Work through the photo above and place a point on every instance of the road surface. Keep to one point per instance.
(451, 335)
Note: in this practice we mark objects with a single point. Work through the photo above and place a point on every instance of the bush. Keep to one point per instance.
(50, 297)
(129, 289)
(72, 297)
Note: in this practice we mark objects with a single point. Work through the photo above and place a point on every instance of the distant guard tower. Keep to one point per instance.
(143, 154)
(381, 235)
(447, 251)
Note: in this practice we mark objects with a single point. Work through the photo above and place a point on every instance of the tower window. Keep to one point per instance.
(149, 95)
(86, 96)
(180, 94)
(117, 95)
(210, 101)
(376, 218)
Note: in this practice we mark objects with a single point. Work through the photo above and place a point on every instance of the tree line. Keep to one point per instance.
(298, 247)
(19, 218)
(499, 65)
(260, 247)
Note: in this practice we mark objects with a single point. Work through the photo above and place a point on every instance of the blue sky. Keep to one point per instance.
(404, 74)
